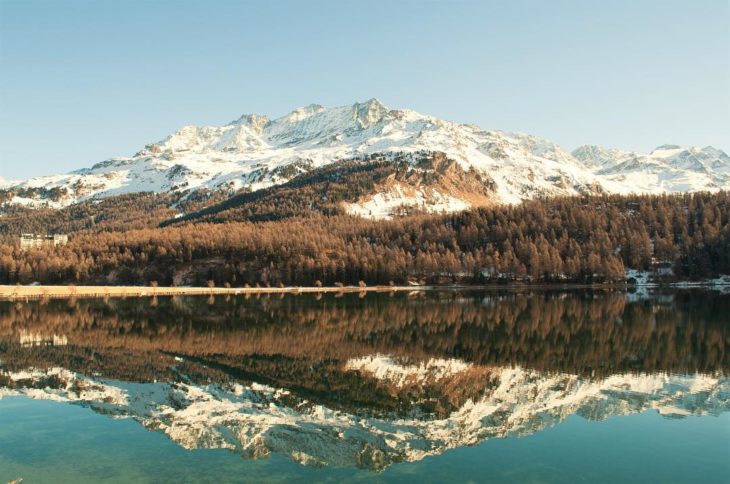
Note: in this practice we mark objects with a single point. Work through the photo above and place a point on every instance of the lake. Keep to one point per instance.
(433, 386)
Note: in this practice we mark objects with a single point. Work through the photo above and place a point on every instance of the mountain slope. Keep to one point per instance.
(669, 168)
(255, 152)
(433, 183)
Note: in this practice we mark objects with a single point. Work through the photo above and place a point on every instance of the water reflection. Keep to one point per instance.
(368, 382)
(29, 339)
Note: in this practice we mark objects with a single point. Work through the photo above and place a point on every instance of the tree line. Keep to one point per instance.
(565, 239)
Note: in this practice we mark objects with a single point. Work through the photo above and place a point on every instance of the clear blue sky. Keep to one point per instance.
(81, 81)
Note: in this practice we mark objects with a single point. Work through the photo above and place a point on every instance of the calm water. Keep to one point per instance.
(499, 386)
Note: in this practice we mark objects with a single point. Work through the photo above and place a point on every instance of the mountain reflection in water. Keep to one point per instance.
(368, 382)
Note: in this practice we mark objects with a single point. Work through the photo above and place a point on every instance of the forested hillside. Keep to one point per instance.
(123, 212)
(570, 239)
(324, 191)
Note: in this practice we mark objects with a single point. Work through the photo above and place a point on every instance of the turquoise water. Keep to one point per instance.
(498, 386)
(52, 442)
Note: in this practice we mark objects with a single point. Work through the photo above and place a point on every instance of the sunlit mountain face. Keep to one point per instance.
(370, 381)
(450, 166)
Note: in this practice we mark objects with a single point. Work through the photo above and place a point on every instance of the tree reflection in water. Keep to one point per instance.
(435, 371)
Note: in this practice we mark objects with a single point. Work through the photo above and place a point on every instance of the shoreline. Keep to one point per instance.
(18, 292)
(57, 292)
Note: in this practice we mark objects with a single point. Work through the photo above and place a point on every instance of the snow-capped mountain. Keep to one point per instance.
(669, 168)
(257, 420)
(255, 152)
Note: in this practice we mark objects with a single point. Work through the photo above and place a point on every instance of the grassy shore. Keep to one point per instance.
(36, 292)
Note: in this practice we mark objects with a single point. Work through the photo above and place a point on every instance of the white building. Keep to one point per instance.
(29, 241)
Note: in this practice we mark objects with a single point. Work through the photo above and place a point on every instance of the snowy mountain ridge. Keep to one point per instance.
(255, 152)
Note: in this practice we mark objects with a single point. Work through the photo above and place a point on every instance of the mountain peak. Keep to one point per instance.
(304, 112)
(369, 112)
(253, 152)
(597, 155)
(255, 121)
(372, 103)
(666, 150)
(667, 147)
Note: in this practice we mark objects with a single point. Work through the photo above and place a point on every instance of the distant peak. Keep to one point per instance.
(251, 118)
(303, 112)
(369, 112)
(311, 108)
(667, 147)
(372, 102)
(588, 149)
(596, 155)
(256, 122)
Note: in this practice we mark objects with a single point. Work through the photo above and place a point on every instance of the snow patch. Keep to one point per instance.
(385, 368)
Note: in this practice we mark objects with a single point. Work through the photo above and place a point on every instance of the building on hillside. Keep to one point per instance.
(29, 241)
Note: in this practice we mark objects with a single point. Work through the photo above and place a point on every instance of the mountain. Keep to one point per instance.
(256, 420)
(476, 167)
(668, 168)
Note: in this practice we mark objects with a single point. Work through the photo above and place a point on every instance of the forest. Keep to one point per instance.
(586, 239)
